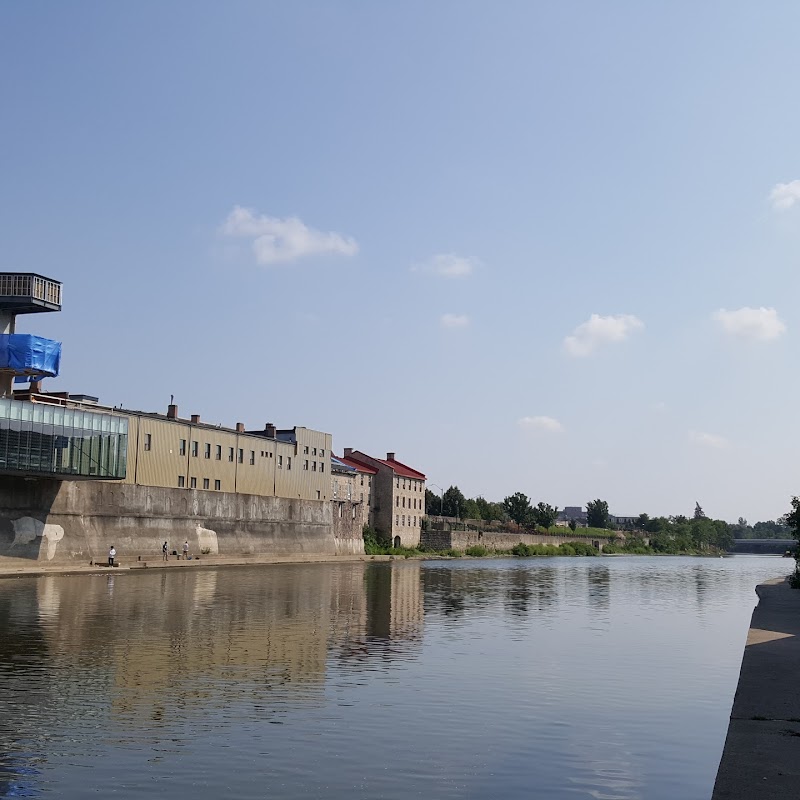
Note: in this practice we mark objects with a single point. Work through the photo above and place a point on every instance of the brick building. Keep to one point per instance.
(397, 497)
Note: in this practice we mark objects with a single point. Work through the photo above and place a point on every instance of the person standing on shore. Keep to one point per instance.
(112, 554)
(186, 550)
(165, 551)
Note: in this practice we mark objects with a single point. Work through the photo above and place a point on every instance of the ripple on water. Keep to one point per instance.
(558, 678)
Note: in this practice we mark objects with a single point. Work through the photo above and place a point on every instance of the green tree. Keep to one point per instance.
(433, 503)
(771, 530)
(698, 511)
(792, 521)
(597, 513)
(545, 515)
(518, 507)
(490, 511)
(454, 502)
(573, 525)
(471, 510)
(642, 521)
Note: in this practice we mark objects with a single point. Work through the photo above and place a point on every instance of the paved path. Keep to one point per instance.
(18, 567)
(761, 759)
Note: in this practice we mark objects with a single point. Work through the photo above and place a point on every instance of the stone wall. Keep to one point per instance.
(461, 540)
(50, 520)
(349, 519)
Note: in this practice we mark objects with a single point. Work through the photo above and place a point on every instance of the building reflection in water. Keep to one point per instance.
(256, 639)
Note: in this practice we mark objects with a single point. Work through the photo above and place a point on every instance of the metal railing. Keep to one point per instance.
(15, 284)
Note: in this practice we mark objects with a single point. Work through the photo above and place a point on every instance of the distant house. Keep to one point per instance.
(398, 496)
(574, 514)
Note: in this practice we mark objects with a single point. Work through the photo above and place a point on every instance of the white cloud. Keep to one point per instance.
(277, 240)
(454, 320)
(541, 424)
(784, 195)
(761, 324)
(708, 440)
(660, 406)
(448, 265)
(597, 330)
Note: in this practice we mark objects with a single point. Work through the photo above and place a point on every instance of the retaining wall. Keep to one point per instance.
(505, 540)
(50, 520)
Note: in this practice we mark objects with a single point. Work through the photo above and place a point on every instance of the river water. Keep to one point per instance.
(554, 678)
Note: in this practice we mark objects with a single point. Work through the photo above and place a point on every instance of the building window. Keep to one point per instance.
(252, 457)
(205, 483)
(218, 485)
(319, 494)
(181, 481)
(182, 449)
(288, 462)
(322, 466)
(362, 480)
(280, 462)
(313, 466)
(194, 449)
(362, 497)
(397, 520)
(192, 483)
(207, 450)
(230, 454)
(397, 502)
(397, 483)
(341, 510)
(240, 456)
(404, 502)
(305, 464)
(404, 520)
(305, 450)
(219, 452)
(415, 522)
(314, 451)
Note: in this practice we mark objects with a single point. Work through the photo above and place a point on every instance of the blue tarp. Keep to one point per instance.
(25, 354)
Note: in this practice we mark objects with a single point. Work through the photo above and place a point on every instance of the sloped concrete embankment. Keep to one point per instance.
(761, 758)
(54, 521)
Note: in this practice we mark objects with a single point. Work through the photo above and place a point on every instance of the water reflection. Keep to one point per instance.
(590, 656)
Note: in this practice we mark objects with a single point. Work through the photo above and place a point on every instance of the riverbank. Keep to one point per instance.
(761, 758)
(19, 567)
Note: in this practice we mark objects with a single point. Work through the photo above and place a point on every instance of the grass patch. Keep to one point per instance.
(476, 551)
(566, 549)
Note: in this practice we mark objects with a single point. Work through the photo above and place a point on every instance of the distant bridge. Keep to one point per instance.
(765, 546)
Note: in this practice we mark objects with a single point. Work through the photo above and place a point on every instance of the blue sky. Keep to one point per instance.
(540, 247)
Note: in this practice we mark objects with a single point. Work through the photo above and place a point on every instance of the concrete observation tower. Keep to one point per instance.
(22, 355)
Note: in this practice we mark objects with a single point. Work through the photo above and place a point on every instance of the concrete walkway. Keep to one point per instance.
(761, 759)
(19, 567)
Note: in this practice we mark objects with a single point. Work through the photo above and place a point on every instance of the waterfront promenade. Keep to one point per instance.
(761, 758)
(16, 567)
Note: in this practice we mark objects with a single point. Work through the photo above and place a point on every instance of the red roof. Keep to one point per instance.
(401, 469)
(358, 465)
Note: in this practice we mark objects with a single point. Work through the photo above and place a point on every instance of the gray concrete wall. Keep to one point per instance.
(349, 518)
(52, 520)
(461, 540)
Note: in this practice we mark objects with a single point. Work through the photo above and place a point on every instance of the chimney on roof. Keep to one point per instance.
(195, 419)
(172, 411)
(270, 430)
(240, 427)
(390, 457)
(348, 451)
